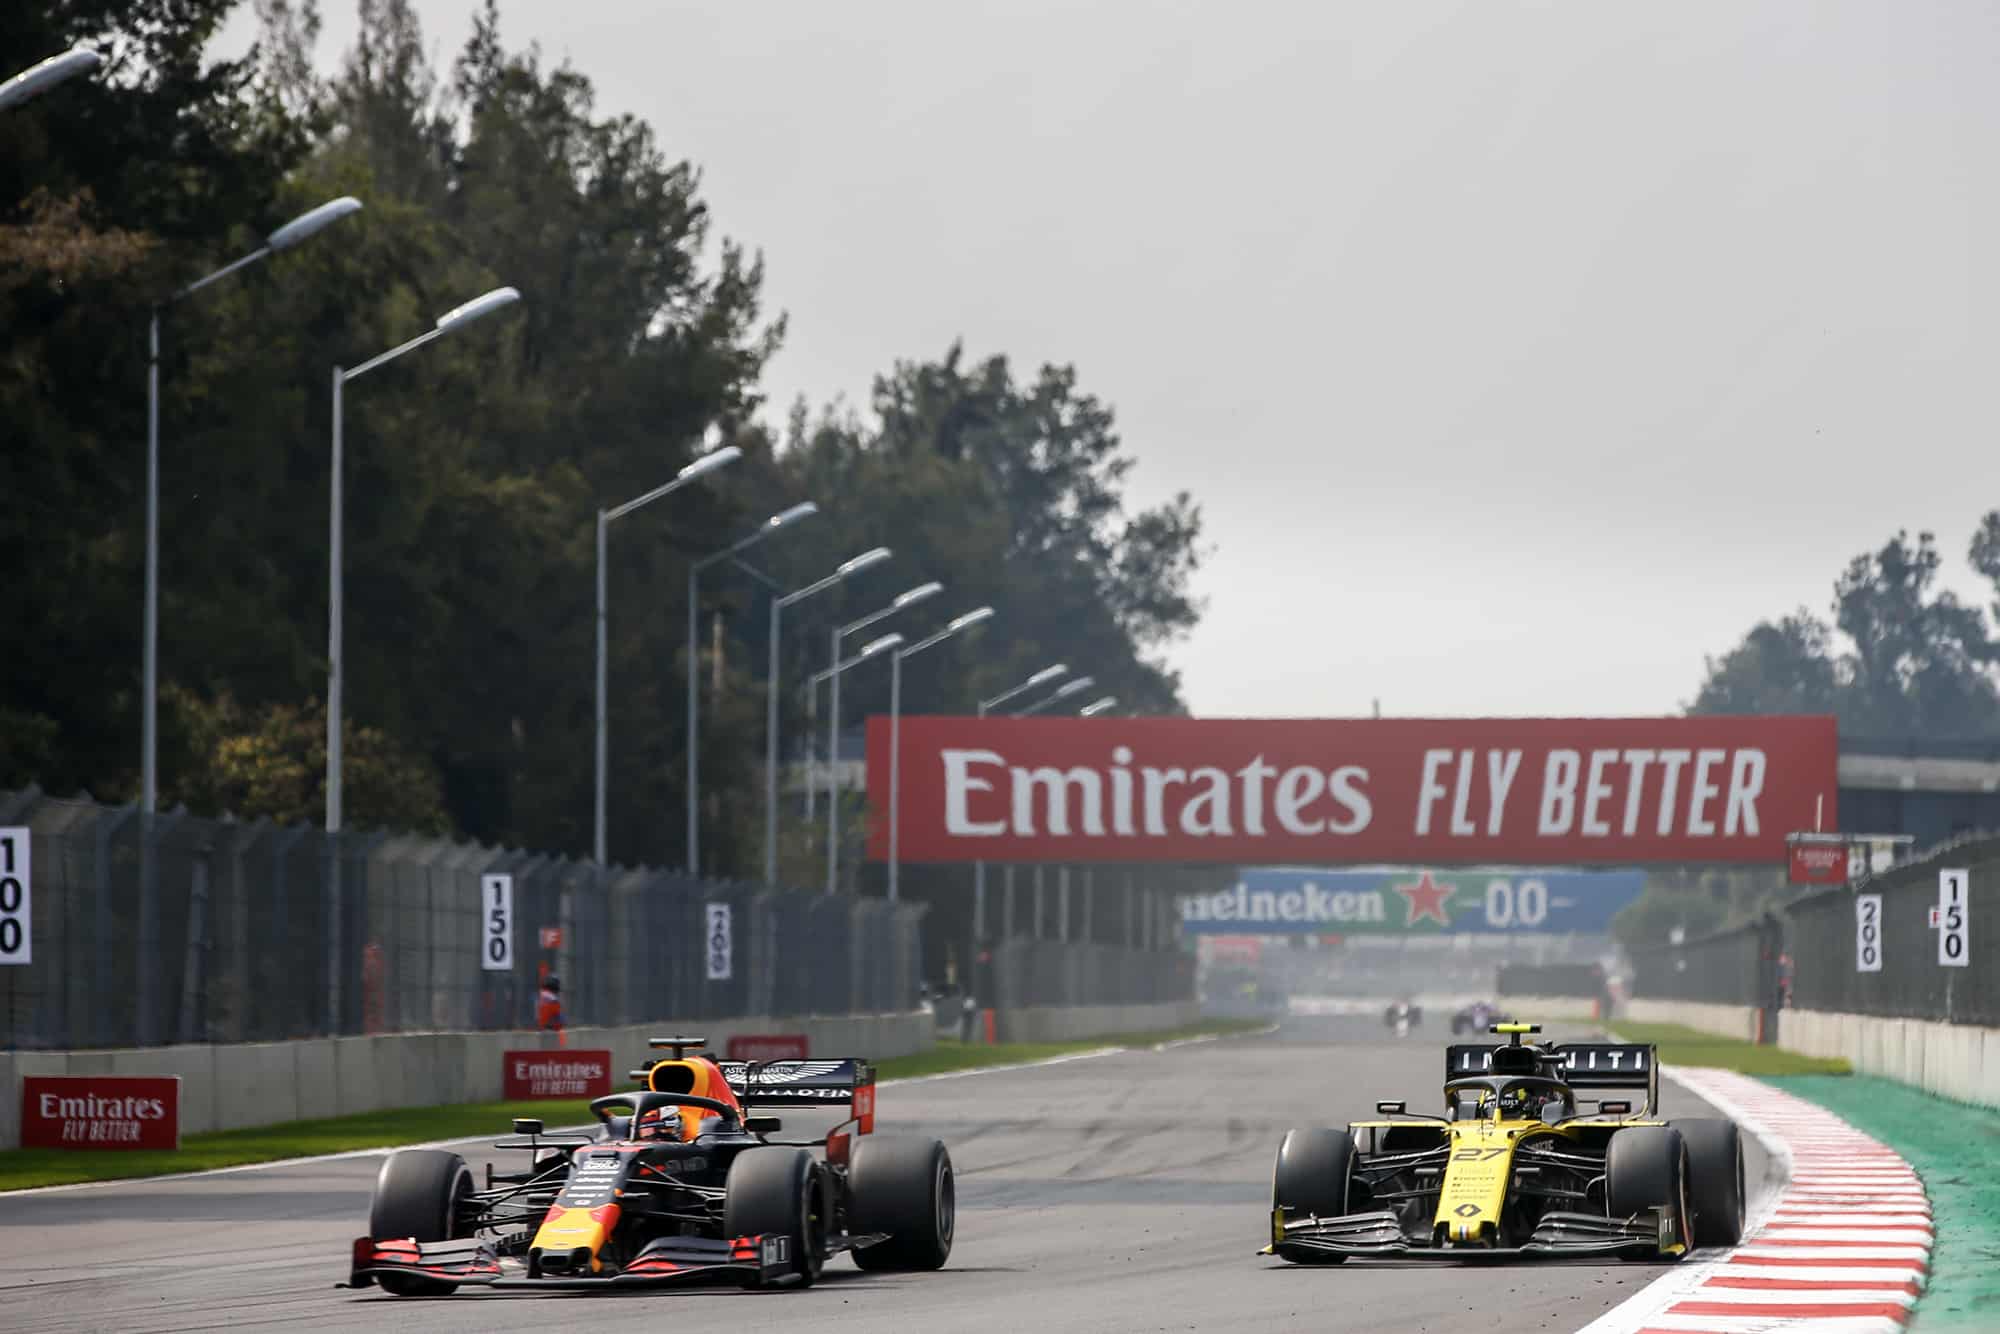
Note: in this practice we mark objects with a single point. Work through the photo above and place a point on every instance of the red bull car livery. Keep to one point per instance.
(680, 1180)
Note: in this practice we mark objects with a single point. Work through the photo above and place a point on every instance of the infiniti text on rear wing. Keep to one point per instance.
(1581, 1065)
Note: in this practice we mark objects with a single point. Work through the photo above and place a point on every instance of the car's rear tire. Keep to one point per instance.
(1715, 1179)
(1646, 1167)
(777, 1191)
(418, 1195)
(905, 1187)
(1313, 1175)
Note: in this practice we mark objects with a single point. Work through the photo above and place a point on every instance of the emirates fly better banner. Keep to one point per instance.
(1525, 791)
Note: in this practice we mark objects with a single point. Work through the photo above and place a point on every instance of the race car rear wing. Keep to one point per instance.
(810, 1083)
(1583, 1066)
(796, 1083)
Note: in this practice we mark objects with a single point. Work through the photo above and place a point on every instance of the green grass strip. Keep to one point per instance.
(21, 1169)
(1953, 1147)
(1688, 1046)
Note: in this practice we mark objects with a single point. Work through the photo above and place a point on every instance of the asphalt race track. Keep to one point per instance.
(1121, 1192)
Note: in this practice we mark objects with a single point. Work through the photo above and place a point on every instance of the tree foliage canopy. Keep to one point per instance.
(1908, 659)
(477, 463)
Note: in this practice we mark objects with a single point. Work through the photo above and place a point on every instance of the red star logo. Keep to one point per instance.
(1425, 899)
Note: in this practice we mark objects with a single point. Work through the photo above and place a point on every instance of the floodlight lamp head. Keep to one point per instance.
(480, 306)
(969, 620)
(709, 462)
(311, 221)
(862, 562)
(805, 509)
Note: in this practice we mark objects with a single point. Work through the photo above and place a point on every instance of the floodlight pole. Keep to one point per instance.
(706, 463)
(907, 598)
(454, 318)
(783, 519)
(957, 624)
(1054, 672)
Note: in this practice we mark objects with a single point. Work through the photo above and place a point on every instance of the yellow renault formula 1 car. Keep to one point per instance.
(1515, 1167)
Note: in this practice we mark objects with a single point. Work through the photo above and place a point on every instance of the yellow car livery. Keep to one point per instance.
(1542, 1149)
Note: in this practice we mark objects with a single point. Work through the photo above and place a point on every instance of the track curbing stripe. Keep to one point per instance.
(1842, 1247)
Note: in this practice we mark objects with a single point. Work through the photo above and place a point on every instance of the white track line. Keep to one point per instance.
(346, 1154)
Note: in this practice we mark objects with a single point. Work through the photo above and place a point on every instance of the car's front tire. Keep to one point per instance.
(1646, 1167)
(777, 1191)
(1313, 1175)
(418, 1195)
(906, 1188)
(1715, 1179)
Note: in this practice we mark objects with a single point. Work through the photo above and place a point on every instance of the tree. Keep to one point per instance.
(1920, 658)
(1780, 667)
(110, 194)
(1012, 494)
(1985, 554)
(474, 467)
(272, 765)
(1917, 661)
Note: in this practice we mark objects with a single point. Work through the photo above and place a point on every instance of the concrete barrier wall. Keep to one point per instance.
(228, 1087)
(1729, 1021)
(1958, 1061)
(1070, 1023)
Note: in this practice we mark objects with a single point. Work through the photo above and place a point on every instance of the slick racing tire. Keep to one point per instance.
(1313, 1175)
(775, 1191)
(1646, 1167)
(1715, 1179)
(902, 1186)
(417, 1195)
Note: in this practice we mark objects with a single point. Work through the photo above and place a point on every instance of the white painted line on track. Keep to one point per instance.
(380, 1149)
(1213, 1037)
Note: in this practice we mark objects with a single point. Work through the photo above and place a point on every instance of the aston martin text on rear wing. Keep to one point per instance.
(777, 1083)
(1582, 1065)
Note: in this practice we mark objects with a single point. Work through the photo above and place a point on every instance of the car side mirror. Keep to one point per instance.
(1614, 1109)
(527, 1125)
(763, 1125)
(1390, 1108)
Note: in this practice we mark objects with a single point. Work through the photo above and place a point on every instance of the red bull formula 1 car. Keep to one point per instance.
(1517, 1166)
(678, 1181)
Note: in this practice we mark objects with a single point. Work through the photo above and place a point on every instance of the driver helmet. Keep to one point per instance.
(659, 1123)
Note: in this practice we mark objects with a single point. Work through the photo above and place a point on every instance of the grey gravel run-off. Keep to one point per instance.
(1122, 1192)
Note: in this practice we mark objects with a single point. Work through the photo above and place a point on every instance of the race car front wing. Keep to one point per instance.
(1649, 1234)
(668, 1260)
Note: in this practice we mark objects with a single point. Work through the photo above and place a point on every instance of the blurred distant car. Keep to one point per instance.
(1475, 1018)
(1402, 1017)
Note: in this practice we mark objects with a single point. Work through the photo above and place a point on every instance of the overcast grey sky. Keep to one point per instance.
(1518, 354)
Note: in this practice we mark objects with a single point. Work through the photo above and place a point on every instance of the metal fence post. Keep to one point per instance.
(193, 971)
(151, 1004)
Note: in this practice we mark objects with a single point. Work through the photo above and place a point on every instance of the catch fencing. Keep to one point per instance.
(1912, 982)
(1740, 966)
(1840, 951)
(1047, 972)
(227, 931)
(1551, 979)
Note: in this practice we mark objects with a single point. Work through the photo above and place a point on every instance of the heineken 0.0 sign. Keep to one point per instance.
(1286, 900)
